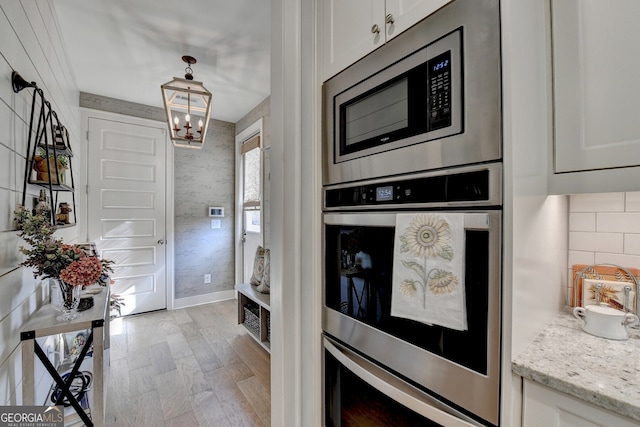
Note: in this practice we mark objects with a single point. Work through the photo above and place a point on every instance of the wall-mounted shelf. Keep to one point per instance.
(55, 187)
(49, 156)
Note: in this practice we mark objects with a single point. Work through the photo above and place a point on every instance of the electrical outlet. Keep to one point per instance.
(207, 278)
(215, 223)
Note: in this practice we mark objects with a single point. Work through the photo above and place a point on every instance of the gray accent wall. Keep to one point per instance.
(205, 178)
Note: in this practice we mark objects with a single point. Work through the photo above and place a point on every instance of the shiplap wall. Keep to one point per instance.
(31, 44)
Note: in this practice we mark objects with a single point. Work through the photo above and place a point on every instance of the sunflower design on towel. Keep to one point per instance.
(428, 237)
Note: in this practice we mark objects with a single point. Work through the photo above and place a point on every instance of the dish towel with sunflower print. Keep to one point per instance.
(428, 269)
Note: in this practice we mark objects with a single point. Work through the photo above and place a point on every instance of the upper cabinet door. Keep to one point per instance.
(596, 84)
(350, 30)
(402, 14)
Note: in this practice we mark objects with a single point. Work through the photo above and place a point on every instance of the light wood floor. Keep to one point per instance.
(188, 367)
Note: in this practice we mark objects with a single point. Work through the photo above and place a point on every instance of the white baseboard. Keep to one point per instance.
(203, 299)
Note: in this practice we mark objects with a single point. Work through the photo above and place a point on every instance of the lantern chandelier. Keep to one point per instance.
(187, 103)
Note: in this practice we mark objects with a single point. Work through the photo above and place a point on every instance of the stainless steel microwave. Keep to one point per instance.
(428, 99)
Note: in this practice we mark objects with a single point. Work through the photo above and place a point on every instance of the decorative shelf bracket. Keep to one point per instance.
(19, 83)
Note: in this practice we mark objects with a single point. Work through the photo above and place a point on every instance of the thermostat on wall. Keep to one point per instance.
(216, 211)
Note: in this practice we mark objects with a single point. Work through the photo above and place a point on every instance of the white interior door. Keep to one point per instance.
(127, 209)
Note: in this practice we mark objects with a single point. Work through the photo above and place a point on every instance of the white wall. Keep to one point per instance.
(535, 224)
(30, 43)
(295, 207)
(604, 228)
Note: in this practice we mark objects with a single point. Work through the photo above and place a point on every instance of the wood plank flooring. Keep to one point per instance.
(188, 367)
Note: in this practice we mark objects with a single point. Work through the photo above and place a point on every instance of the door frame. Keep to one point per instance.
(254, 129)
(87, 113)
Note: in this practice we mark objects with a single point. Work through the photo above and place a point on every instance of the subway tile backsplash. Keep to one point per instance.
(603, 202)
(604, 228)
(582, 221)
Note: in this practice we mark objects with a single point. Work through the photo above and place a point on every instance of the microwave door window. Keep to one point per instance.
(388, 113)
(378, 114)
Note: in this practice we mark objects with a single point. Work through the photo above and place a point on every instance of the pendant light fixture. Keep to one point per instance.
(187, 104)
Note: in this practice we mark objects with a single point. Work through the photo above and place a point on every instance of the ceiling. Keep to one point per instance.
(126, 49)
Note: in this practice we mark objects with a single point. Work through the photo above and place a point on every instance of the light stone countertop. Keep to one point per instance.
(599, 371)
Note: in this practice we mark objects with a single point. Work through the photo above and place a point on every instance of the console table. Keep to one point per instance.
(93, 326)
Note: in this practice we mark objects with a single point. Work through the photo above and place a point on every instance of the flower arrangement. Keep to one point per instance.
(85, 271)
(50, 257)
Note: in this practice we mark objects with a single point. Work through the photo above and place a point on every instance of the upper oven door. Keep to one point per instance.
(460, 365)
(401, 138)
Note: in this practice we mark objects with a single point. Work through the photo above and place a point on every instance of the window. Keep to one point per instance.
(251, 190)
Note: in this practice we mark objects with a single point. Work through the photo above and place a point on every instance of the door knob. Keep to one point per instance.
(375, 29)
(389, 19)
(161, 242)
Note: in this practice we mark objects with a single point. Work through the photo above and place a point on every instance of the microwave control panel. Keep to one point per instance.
(439, 87)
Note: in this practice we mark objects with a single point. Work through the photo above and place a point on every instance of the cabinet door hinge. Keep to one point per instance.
(87, 135)
(87, 189)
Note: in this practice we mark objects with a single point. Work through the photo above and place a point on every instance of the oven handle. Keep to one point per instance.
(399, 390)
(472, 221)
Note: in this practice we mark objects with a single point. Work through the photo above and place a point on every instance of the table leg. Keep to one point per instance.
(28, 367)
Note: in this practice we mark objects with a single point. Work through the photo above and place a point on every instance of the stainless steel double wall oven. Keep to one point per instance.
(414, 128)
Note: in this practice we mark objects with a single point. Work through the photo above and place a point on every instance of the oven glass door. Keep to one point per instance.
(358, 273)
(350, 401)
(360, 393)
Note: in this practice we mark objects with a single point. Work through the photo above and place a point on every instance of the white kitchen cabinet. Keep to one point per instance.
(596, 90)
(543, 406)
(352, 29)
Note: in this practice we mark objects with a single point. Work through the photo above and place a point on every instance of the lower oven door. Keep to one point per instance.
(358, 392)
(460, 367)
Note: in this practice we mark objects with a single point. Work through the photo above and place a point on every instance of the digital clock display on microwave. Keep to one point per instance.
(440, 65)
(384, 193)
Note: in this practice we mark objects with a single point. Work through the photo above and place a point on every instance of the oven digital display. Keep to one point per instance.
(384, 194)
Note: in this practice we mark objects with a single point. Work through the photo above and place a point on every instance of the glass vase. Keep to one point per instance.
(55, 295)
(70, 298)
